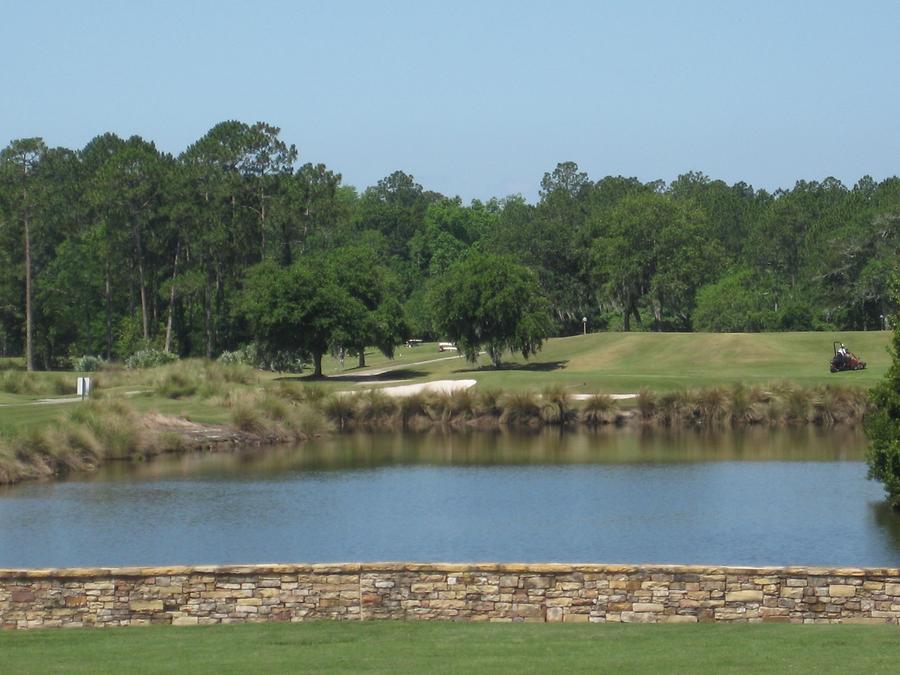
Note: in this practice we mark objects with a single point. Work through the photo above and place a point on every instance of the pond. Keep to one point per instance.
(760, 497)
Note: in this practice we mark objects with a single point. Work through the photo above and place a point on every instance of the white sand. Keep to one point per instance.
(441, 386)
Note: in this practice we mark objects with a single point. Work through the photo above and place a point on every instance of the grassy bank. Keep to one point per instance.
(102, 429)
(386, 647)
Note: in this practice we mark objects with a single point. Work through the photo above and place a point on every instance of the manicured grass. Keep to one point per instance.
(432, 647)
(626, 362)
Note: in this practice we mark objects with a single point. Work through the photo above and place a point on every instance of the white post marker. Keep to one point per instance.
(83, 387)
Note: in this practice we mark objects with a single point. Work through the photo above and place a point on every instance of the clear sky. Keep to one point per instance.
(477, 99)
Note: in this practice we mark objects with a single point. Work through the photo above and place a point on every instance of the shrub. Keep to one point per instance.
(88, 364)
(245, 355)
(149, 358)
(284, 361)
(882, 427)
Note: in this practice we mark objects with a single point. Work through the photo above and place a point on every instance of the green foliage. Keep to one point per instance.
(149, 358)
(87, 364)
(279, 361)
(882, 426)
(491, 302)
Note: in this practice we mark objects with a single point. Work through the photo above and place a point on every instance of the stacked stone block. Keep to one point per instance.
(465, 592)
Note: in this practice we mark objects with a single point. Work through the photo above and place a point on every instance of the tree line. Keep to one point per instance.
(118, 246)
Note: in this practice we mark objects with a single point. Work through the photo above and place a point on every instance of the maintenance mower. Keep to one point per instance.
(844, 359)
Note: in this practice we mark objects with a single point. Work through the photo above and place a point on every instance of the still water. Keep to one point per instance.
(756, 498)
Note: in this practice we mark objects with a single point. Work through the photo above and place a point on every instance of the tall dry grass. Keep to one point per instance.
(599, 409)
(520, 408)
(93, 432)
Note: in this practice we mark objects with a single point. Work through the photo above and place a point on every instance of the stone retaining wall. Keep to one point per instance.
(468, 592)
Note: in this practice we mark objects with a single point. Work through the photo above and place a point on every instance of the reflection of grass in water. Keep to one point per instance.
(499, 447)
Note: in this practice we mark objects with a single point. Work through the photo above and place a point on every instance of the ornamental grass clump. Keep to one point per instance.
(711, 405)
(672, 408)
(487, 403)
(116, 427)
(246, 414)
(556, 406)
(175, 384)
(744, 406)
(599, 409)
(646, 404)
(797, 403)
(340, 409)
(414, 410)
(459, 406)
(375, 408)
(834, 404)
(520, 409)
(11, 467)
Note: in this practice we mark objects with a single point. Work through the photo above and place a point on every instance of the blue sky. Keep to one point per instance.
(477, 99)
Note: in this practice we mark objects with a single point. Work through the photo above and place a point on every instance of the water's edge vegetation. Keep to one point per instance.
(110, 428)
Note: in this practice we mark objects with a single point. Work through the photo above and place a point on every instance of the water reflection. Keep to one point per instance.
(506, 448)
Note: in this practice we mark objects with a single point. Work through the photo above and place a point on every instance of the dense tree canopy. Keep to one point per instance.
(490, 302)
(118, 246)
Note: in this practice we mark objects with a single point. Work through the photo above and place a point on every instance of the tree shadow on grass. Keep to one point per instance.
(534, 367)
(348, 376)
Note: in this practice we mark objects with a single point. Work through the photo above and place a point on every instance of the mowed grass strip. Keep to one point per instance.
(438, 647)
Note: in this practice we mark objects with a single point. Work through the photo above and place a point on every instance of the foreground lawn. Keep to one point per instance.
(388, 647)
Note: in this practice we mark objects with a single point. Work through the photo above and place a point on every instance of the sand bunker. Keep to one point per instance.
(439, 386)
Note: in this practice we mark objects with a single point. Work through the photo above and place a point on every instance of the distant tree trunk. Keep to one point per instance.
(29, 319)
(108, 293)
(262, 224)
(172, 299)
(362, 358)
(136, 234)
(207, 318)
(626, 319)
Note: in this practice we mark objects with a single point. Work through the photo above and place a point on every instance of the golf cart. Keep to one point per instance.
(844, 359)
